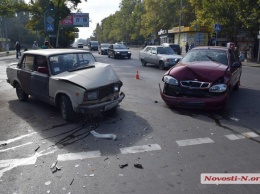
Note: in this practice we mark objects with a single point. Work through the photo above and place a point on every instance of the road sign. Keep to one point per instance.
(50, 28)
(76, 20)
(50, 20)
(217, 27)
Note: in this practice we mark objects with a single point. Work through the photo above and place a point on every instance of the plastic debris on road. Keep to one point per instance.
(105, 136)
(138, 166)
(123, 165)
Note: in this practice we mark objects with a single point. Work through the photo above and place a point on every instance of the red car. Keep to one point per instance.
(203, 78)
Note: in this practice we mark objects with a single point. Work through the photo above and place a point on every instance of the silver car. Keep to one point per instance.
(164, 57)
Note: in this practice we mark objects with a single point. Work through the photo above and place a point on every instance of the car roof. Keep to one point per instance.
(211, 47)
(48, 52)
(170, 44)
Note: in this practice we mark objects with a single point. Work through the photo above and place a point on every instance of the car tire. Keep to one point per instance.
(22, 96)
(108, 55)
(161, 65)
(66, 109)
(143, 62)
(114, 56)
(129, 57)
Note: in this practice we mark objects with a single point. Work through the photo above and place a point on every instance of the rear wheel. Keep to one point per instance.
(161, 65)
(67, 111)
(22, 96)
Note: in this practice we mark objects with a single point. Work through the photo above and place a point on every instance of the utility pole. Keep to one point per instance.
(179, 38)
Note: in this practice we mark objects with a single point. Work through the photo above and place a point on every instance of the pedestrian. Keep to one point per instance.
(18, 49)
(187, 47)
(145, 44)
(191, 45)
(35, 45)
(47, 45)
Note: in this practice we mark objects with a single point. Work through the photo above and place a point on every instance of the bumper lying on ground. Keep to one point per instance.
(105, 106)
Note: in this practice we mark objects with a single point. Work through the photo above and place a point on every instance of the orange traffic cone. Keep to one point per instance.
(137, 75)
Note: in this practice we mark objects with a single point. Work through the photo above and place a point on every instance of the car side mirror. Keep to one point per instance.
(43, 70)
(236, 64)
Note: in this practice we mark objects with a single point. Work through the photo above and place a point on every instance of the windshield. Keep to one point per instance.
(104, 45)
(94, 43)
(70, 61)
(165, 50)
(120, 46)
(206, 55)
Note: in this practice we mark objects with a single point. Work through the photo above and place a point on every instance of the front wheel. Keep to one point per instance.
(143, 62)
(161, 65)
(67, 111)
(22, 96)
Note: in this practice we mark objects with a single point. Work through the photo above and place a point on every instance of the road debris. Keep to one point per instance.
(123, 165)
(54, 167)
(105, 136)
(138, 166)
(37, 149)
(105, 159)
(48, 183)
(71, 182)
(91, 175)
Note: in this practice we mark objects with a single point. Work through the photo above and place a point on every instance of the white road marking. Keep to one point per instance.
(13, 163)
(138, 149)
(197, 141)
(241, 136)
(16, 139)
(13, 148)
(79, 155)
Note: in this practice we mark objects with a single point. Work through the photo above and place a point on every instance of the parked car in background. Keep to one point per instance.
(93, 45)
(203, 79)
(102, 48)
(118, 51)
(164, 57)
(80, 45)
(70, 79)
(175, 47)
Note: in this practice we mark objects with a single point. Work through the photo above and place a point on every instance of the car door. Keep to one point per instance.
(24, 72)
(235, 71)
(153, 56)
(39, 84)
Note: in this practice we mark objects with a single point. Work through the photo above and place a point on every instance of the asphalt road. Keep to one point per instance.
(173, 146)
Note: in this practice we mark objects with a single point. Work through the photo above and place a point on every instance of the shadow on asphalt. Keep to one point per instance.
(75, 137)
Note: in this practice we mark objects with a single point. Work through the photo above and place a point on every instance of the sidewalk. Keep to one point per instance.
(4, 54)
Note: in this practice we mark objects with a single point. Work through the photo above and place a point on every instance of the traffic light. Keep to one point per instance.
(51, 6)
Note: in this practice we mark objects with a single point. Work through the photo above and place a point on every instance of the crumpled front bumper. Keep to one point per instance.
(104, 106)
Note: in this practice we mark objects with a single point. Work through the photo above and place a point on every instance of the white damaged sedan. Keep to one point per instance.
(67, 78)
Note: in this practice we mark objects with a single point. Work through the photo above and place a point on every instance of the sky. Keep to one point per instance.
(98, 10)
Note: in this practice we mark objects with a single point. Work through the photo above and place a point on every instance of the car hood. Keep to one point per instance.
(201, 71)
(174, 56)
(100, 75)
(118, 50)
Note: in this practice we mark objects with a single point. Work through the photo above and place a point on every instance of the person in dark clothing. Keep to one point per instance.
(187, 47)
(18, 49)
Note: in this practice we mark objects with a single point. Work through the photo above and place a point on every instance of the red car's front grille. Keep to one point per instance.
(178, 91)
(194, 84)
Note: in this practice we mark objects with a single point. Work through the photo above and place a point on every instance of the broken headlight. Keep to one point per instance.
(218, 88)
(91, 95)
(170, 80)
